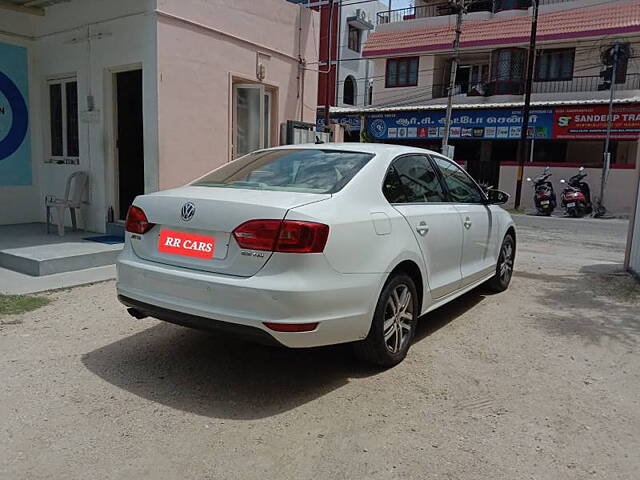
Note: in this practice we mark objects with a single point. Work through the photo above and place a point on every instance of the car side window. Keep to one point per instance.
(461, 188)
(412, 179)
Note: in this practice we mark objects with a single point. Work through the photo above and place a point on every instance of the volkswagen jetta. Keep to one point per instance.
(312, 245)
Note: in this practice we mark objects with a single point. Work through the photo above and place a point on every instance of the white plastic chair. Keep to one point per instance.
(74, 196)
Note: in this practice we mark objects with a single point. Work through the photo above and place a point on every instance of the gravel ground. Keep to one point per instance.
(540, 382)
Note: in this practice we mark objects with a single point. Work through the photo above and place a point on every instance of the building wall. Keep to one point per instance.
(632, 260)
(404, 95)
(57, 45)
(203, 47)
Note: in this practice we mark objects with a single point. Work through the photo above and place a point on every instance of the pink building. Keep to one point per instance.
(143, 95)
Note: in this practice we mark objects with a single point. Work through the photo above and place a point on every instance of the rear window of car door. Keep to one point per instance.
(462, 189)
(412, 179)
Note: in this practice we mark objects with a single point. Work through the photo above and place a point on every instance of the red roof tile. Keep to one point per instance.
(584, 22)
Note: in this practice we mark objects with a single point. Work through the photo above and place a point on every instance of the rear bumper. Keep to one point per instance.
(289, 289)
(200, 323)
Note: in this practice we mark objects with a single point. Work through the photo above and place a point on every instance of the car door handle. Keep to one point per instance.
(422, 228)
(467, 223)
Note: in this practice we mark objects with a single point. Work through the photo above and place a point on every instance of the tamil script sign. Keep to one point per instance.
(469, 124)
(15, 148)
(590, 122)
(350, 122)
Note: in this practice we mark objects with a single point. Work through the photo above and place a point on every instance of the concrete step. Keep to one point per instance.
(115, 228)
(61, 257)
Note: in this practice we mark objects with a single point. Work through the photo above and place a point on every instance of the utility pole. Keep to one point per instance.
(523, 151)
(329, 66)
(461, 9)
(600, 209)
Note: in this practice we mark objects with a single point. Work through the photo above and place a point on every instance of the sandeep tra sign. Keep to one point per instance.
(466, 124)
(591, 122)
(15, 145)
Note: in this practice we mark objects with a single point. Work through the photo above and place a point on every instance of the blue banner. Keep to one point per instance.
(15, 144)
(466, 124)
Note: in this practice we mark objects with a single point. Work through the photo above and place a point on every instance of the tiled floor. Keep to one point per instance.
(24, 239)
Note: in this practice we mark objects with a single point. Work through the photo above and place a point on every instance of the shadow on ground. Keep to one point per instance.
(596, 303)
(225, 378)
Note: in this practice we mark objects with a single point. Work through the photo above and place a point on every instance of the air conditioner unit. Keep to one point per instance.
(361, 15)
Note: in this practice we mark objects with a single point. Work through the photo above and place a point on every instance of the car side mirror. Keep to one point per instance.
(562, 180)
(497, 197)
(528, 179)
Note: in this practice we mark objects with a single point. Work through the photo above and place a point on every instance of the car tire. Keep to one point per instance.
(504, 268)
(393, 325)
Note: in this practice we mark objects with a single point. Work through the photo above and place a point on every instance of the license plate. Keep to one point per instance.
(544, 202)
(572, 204)
(186, 244)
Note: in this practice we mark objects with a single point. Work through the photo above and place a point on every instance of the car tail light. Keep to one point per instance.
(258, 234)
(290, 236)
(137, 221)
(291, 327)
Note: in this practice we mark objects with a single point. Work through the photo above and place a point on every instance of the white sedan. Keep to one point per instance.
(311, 245)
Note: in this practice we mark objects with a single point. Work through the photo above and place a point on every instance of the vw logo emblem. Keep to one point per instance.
(188, 211)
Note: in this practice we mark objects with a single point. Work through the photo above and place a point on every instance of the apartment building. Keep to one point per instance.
(345, 77)
(142, 94)
(412, 51)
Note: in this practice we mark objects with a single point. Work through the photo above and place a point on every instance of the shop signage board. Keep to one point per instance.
(590, 122)
(15, 145)
(350, 122)
(466, 124)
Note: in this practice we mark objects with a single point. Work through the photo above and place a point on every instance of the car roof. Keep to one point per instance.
(375, 148)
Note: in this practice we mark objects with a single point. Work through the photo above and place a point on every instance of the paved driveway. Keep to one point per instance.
(539, 382)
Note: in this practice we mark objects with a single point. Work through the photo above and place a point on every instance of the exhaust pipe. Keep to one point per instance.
(136, 313)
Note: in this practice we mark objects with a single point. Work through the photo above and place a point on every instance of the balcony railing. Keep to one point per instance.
(576, 84)
(411, 13)
(444, 8)
(585, 84)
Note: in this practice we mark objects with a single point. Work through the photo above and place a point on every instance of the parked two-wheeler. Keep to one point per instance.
(576, 196)
(544, 196)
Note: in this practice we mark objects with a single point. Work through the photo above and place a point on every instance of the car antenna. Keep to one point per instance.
(318, 141)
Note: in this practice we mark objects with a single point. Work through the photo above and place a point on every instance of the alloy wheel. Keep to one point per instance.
(398, 318)
(506, 264)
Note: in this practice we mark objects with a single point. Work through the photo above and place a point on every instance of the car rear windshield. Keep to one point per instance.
(294, 170)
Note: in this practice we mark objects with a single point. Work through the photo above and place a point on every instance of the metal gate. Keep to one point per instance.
(302, 132)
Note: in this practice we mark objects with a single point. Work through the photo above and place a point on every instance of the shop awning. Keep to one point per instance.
(466, 106)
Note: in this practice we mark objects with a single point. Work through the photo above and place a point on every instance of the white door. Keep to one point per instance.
(413, 188)
(252, 107)
(480, 244)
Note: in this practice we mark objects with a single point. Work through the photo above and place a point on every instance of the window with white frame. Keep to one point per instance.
(63, 141)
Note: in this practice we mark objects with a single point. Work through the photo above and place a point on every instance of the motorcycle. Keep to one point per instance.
(576, 196)
(544, 196)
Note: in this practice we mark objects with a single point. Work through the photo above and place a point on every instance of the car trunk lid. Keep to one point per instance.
(205, 241)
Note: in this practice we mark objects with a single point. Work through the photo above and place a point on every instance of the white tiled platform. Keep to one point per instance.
(31, 260)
